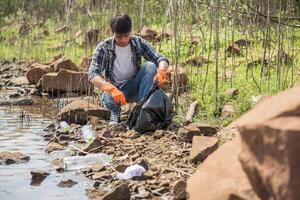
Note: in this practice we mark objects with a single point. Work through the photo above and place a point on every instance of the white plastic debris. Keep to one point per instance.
(132, 171)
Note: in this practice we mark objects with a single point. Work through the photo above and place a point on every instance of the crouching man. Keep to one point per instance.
(116, 67)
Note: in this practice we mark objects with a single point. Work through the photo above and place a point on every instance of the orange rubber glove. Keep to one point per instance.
(116, 94)
(160, 76)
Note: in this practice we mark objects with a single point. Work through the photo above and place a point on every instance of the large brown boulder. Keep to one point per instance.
(270, 156)
(65, 81)
(36, 71)
(63, 63)
(221, 176)
(78, 112)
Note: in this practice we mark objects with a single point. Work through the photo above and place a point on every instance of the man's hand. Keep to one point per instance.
(116, 94)
(160, 76)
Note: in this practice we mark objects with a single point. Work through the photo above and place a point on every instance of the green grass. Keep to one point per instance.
(29, 47)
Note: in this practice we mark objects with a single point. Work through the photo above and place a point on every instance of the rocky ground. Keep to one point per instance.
(169, 156)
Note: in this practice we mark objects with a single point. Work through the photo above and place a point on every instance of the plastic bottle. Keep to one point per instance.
(65, 126)
(79, 162)
(62, 154)
(88, 134)
(132, 171)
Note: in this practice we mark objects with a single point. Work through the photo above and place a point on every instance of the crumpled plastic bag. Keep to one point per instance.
(131, 171)
(154, 111)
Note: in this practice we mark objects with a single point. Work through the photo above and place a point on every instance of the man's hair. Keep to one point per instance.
(120, 23)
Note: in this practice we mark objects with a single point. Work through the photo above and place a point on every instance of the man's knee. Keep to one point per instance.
(150, 68)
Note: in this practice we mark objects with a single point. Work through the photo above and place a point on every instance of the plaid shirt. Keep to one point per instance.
(104, 57)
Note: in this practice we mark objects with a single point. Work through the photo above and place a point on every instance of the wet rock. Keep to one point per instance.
(198, 61)
(270, 135)
(20, 102)
(78, 112)
(66, 184)
(179, 190)
(231, 92)
(94, 146)
(8, 158)
(202, 146)
(233, 49)
(227, 110)
(65, 81)
(53, 146)
(120, 192)
(58, 165)
(36, 71)
(37, 177)
(221, 176)
(63, 63)
(14, 95)
(148, 34)
(19, 81)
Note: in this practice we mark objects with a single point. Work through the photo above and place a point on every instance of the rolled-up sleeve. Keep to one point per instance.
(97, 63)
(150, 54)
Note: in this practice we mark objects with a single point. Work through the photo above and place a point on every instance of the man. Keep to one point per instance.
(116, 67)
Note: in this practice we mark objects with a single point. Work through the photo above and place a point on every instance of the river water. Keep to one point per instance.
(21, 129)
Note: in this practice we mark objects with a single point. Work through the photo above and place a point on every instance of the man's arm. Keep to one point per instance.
(98, 81)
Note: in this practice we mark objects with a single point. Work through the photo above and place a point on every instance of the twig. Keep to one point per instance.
(178, 170)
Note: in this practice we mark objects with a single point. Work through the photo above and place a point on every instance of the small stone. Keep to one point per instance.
(101, 175)
(97, 167)
(121, 167)
(188, 132)
(94, 145)
(37, 177)
(179, 190)
(66, 184)
(158, 134)
(8, 158)
(53, 146)
(120, 192)
(231, 92)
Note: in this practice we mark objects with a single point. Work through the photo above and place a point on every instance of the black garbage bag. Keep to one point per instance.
(154, 111)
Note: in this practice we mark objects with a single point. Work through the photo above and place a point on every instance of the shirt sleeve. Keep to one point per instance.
(97, 63)
(150, 54)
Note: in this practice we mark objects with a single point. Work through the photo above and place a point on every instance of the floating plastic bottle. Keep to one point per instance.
(65, 126)
(88, 134)
(80, 162)
(132, 171)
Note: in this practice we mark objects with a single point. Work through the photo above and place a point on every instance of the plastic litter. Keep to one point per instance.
(154, 111)
(65, 126)
(132, 171)
(88, 134)
(80, 162)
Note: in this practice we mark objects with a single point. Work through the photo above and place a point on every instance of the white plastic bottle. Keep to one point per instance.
(88, 134)
(80, 162)
(65, 126)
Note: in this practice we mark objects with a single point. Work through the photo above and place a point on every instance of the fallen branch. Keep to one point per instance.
(190, 113)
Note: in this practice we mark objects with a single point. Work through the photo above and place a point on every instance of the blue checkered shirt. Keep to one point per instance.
(104, 57)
